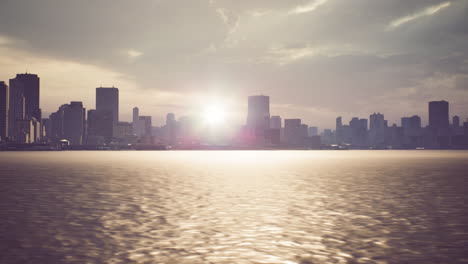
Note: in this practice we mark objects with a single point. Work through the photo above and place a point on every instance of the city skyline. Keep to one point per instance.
(75, 126)
(311, 65)
(103, 104)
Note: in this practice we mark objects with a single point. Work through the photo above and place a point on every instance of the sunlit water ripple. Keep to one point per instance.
(234, 207)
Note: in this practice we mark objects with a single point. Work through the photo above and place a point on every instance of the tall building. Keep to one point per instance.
(275, 122)
(313, 131)
(456, 121)
(100, 127)
(135, 121)
(438, 114)
(146, 136)
(377, 127)
(409, 123)
(24, 100)
(107, 100)
(74, 123)
(292, 132)
(4, 109)
(258, 116)
(340, 137)
(56, 124)
(170, 129)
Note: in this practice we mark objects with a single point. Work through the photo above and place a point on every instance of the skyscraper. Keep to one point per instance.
(292, 132)
(313, 131)
(4, 109)
(275, 122)
(377, 126)
(258, 116)
(107, 100)
(24, 99)
(456, 121)
(438, 114)
(74, 124)
(136, 121)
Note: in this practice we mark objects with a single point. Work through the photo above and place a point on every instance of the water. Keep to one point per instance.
(234, 207)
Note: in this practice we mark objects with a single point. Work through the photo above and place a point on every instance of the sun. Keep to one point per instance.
(214, 115)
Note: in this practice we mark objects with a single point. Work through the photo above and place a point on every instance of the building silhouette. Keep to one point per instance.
(4, 110)
(293, 132)
(275, 122)
(377, 127)
(135, 121)
(258, 116)
(100, 127)
(313, 131)
(74, 123)
(107, 100)
(438, 114)
(24, 97)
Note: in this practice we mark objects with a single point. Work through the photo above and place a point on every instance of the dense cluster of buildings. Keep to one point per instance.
(22, 123)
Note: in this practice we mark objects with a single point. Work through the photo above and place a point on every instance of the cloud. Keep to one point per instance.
(132, 53)
(429, 11)
(319, 54)
(307, 8)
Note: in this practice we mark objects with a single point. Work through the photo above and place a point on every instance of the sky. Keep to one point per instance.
(316, 59)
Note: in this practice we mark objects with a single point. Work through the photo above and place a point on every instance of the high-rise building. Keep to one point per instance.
(74, 123)
(136, 121)
(170, 119)
(275, 122)
(4, 109)
(24, 100)
(313, 131)
(438, 114)
(456, 121)
(170, 129)
(258, 116)
(146, 136)
(56, 124)
(100, 127)
(107, 100)
(292, 132)
(411, 123)
(377, 126)
(358, 131)
(339, 132)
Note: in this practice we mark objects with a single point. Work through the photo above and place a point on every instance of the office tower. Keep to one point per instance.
(24, 100)
(146, 136)
(313, 131)
(456, 121)
(74, 123)
(170, 129)
(438, 114)
(56, 124)
(411, 123)
(275, 122)
(107, 100)
(258, 116)
(46, 129)
(122, 130)
(339, 122)
(377, 126)
(170, 119)
(135, 121)
(292, 132)
(100, 127)
(358, 129)
(4, 109)
(339, 130)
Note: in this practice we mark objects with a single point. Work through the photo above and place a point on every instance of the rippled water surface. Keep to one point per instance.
(234, 207)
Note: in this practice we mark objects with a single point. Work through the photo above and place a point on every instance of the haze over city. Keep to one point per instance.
(316, 59)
